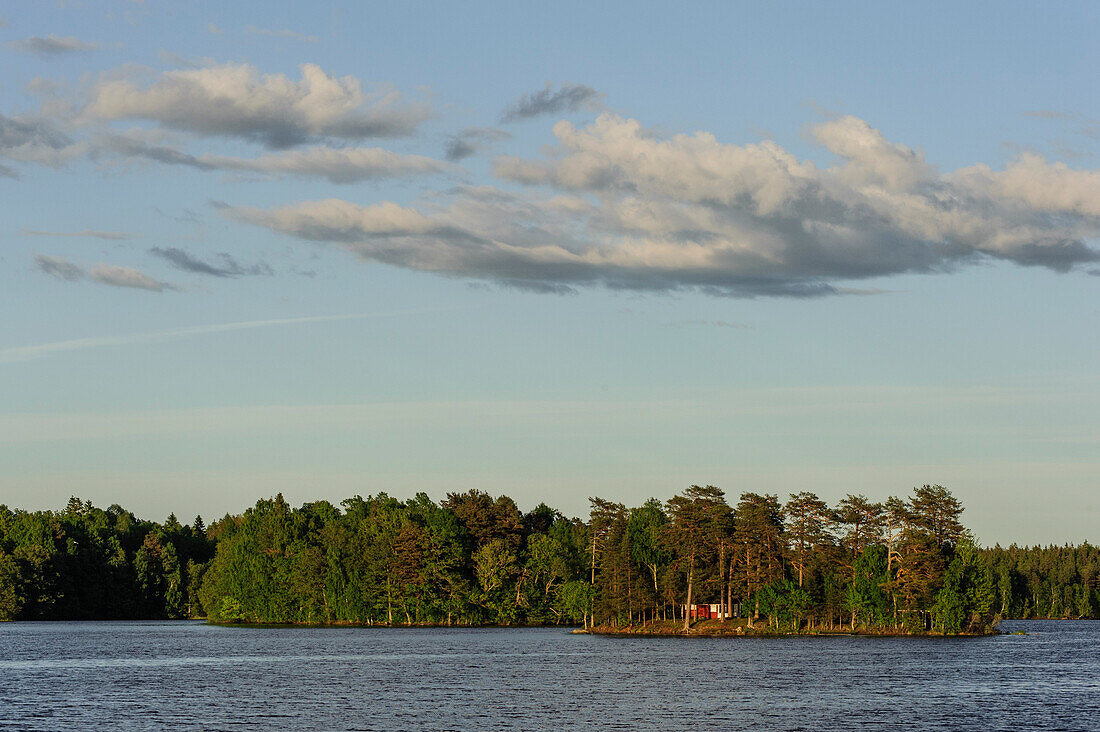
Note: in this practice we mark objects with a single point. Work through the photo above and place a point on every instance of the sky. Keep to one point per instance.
(553, 251)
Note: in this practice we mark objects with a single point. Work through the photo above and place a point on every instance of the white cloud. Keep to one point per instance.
(630, 209)
(1037, 184)
(118, 276)
(235, 100)
(871, 159)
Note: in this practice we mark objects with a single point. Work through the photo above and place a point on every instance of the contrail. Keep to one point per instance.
(25, 353)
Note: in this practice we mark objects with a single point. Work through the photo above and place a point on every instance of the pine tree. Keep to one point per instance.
(696, 520)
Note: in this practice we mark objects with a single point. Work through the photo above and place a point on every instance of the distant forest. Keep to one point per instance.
(904, 564)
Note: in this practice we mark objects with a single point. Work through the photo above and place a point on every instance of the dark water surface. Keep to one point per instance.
(186, 675)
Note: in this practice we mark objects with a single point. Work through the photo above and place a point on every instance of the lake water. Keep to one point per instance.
(187, 675)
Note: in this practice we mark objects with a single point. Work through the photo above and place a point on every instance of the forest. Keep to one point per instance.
(901, 565)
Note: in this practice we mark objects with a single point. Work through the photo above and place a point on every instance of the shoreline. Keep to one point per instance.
(718, 629)
(662, 629)
(384, 626)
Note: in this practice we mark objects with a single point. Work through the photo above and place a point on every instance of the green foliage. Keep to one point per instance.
(785, 603)
(11, 601)
(474, 558)
(89, 563)
(866, 597)
(576, 599)
(1046, 582)
(229, 611)
(966, 599)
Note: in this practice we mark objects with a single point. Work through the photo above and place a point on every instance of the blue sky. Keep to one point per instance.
(555, 251)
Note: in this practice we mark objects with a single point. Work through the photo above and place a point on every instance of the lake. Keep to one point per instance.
(187, 675)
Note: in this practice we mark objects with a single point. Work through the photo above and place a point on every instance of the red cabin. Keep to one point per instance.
(707, 612)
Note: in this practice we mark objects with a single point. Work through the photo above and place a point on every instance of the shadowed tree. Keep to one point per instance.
(539, 519)
(149, 565)
(603, 518)
(11, 601)
(486, 518)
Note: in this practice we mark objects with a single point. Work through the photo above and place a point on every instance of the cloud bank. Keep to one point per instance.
(236, 101)
(617, 205)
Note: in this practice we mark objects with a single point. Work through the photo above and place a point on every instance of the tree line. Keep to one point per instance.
(905, 564)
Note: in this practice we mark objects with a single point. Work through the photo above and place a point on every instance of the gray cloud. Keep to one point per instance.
(342, 165)
(628, 209)
(235, 100)
(35, 140)
(567, 99)
(105, 274)
(227, 266)
(473, 140)
(108, 235)
(26, 131)
(130, 146)
(51, 45)
(282, 33)
(187, 216)
(1087, 126)
(57, 267)
(337, 165)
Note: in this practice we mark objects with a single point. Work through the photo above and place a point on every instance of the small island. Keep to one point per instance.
(693, 565)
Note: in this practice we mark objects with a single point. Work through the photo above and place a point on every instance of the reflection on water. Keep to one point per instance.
(193, 676)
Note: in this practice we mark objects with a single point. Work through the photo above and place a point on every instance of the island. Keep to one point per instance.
(692, 565)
